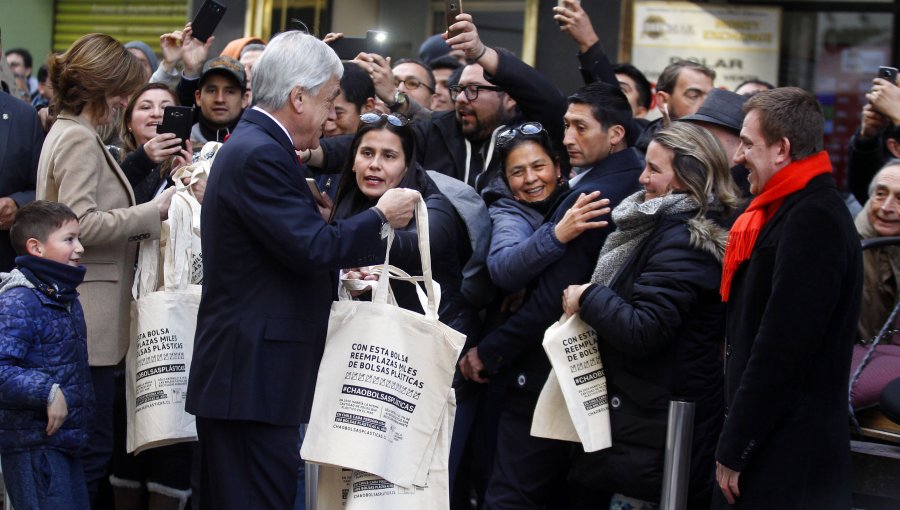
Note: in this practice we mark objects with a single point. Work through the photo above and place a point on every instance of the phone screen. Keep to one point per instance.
(347, 48)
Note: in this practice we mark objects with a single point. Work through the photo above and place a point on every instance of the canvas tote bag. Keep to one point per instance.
(162, 341)
(351, 489)
(571, 346)
(382, 385)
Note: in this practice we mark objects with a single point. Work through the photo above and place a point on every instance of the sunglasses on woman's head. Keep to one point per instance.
(394, 119)
(527, 129)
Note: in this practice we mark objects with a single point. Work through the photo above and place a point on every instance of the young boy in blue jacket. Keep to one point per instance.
(46, 395)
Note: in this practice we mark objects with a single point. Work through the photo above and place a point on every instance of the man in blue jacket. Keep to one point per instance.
(267, 287)
(529, 472)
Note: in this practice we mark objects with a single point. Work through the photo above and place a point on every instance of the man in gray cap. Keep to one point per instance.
(722, 115)
(219, 96)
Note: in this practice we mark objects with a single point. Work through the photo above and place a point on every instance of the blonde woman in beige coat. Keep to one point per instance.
(94, 79)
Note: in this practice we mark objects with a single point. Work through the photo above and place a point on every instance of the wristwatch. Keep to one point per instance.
(399, 100)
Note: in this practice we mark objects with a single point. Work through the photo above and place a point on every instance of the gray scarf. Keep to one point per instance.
(635, 219)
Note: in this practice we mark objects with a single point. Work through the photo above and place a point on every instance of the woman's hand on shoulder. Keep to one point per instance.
(580, 217)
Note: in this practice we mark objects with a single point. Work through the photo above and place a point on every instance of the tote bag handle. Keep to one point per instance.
(381, 291)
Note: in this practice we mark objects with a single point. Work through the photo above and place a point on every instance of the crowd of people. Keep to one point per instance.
(710, 249)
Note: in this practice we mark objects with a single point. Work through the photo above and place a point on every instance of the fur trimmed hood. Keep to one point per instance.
(709, 236)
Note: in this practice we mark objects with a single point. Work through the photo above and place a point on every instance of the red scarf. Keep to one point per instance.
(747, 227)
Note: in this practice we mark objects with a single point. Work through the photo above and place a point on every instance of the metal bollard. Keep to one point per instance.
(677, 468)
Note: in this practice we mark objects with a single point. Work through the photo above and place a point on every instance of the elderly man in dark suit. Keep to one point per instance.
(21, 139)
(267, 286)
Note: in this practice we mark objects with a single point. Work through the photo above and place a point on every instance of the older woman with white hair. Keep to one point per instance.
(654, 302)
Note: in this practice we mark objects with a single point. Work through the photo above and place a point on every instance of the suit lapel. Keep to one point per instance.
(6, 121)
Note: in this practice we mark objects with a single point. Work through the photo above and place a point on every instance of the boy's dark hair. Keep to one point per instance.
(43, 74)
(357, 85)
(608, 104)
(643, 85)
(669, 76)
(25, 54)
(38, 220)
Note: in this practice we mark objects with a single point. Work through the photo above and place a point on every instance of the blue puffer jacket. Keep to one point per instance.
(522, 245)
(42, 342)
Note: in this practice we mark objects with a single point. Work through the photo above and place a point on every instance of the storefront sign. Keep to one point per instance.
(739, 43)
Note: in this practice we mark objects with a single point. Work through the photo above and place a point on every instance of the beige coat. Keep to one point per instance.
(76, 169)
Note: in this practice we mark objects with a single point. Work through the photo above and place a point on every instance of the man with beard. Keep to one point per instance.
(496, 89)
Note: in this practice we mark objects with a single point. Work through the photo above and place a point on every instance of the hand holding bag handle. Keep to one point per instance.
(382, 289)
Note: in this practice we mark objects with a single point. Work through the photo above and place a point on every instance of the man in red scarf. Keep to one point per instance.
(792, 280)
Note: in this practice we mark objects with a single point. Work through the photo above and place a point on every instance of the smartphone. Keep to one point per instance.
(177, 120)
(314, 189)
(347, 48)
(888, 73)
(452, 8)
(207, 18)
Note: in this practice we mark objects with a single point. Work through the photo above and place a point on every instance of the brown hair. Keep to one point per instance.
(700, 164)
(792, 113)
(95, 67)
(38, 220)
(669, 76)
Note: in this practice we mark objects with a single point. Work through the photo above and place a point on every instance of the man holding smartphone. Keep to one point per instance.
(875, 142)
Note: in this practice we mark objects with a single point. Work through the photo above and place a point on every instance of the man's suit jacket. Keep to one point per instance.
(76, 169)
(21, 139)
(267, 285)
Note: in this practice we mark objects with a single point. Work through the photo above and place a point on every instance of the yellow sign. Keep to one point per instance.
(738, 42)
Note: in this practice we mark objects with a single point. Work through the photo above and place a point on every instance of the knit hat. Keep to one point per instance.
(145, 49)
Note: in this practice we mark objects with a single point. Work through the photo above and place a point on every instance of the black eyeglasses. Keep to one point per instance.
(528, 129)
(412, 83)
(394, 119)
(471, 91)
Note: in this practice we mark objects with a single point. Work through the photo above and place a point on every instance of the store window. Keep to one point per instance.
(835, 55)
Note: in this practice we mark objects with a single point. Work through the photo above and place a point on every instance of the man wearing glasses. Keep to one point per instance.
(414, 79)
(500, 90)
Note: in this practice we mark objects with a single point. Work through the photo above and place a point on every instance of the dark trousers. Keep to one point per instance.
(97, 454)
(529, 472)
(245, 464)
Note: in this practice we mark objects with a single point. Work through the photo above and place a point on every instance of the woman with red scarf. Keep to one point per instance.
(791, 280)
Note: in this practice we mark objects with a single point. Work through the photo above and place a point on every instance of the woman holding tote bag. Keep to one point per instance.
(383, 157)
(653, 301)
(94, 79)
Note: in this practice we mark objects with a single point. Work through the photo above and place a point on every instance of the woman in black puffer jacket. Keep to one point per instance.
(654, 302)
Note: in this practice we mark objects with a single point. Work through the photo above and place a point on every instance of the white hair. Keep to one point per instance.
(292, 59)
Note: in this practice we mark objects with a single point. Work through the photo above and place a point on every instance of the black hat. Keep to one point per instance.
(721, 107)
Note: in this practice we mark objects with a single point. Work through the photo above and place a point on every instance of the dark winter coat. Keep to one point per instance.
(660, 326)
(42, 342)
(791, 324)
(513, 351)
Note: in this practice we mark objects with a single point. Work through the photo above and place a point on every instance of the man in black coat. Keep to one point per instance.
(792, 281)
(529, 472)
(21, 139)
(267, 287)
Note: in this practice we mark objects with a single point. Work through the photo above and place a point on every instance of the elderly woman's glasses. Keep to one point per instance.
(394, 119)
(471, 91)
(527, 129)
